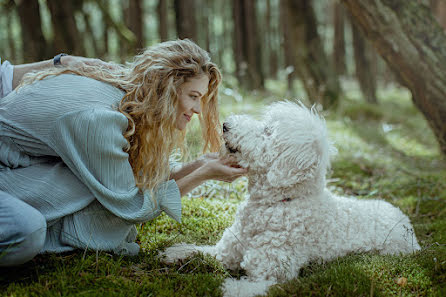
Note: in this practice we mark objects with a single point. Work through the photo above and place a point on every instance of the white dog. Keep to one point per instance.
(290, 218)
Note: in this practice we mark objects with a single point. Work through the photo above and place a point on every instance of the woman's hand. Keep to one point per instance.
(208, 166)
(222, 168)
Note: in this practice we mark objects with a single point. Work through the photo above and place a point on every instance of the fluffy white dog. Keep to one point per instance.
(290, 218)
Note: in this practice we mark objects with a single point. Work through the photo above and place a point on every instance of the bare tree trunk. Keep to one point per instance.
(439, 8)
(186, 23)
(288, 44)
(66, 34)
(135, 15)
(364, 66)
(162, 20)
(241, 64)
(272, 53)
(34, 43)
(89, 32)
(339, 59)
(253, 47)
(414, 46)
(10, 34)
(313, 68)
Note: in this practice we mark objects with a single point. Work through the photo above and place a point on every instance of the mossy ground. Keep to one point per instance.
(385, 151)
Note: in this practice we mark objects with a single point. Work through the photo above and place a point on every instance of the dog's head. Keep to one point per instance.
(289, 145)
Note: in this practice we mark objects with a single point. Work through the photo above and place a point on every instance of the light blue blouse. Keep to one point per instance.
(61, 151)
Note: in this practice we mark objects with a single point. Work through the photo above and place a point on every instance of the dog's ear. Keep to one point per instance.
(294, 164)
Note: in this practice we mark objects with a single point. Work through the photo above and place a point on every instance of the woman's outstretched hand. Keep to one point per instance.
(222, 168)
(208, 166)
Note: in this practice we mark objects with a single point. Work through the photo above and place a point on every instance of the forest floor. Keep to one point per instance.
(385, 151)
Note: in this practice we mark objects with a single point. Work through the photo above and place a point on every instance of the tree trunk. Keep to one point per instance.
(365, 74)
(253, 46)
(247, 49)
(313, 68)
(439, 8)
(186, 23)
(272, 53)
(66, 34)
(288, 44)
(162, 20)
(414, 46)
(10, 33)
(135, 15)
(340, 65)
(34, 44)
(238, 44)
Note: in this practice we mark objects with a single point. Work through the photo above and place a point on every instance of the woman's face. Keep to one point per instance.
(189, 99)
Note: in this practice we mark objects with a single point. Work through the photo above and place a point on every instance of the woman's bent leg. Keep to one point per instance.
(22, 231)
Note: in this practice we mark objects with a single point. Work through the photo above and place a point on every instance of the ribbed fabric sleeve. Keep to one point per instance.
(6, 75)
(91, 143)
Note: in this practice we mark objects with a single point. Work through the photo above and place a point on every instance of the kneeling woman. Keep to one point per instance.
(84, 150)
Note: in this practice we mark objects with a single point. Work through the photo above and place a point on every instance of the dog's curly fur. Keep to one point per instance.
(290, 218)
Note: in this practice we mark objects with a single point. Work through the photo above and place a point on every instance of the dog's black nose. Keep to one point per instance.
(225, 127)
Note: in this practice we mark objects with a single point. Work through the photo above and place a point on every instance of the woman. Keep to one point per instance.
(84, 151)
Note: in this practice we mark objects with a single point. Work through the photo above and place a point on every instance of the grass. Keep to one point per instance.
(385, 151)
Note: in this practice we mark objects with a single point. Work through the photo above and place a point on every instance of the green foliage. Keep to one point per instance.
(385, 152)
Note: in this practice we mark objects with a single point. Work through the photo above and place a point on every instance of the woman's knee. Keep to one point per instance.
(22, 231)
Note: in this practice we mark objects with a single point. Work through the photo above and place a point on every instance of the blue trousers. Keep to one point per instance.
(22, 231)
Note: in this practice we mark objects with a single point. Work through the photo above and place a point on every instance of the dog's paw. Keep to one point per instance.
(245, 287)
(178, 252)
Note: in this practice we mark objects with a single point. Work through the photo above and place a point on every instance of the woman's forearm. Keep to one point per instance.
(21, 70)
(192, 180)
(185, 169)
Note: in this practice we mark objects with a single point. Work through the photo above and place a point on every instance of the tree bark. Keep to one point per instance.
(288, 44)
(439, 8)
(66, 34)
(162, 20)
(312, 66)
(247, 48)
(340, 65)
(135, 15)
(186, 23)
(364, 70)
(414, 46)
(34, 43)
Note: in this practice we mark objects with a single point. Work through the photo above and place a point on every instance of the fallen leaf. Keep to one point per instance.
(401, 281)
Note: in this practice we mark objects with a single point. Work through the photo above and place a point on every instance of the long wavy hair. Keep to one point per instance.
(151, 83)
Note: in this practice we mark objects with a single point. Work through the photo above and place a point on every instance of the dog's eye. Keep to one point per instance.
(267, 131)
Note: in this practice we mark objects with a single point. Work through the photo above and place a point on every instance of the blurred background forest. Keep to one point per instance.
(315, 44)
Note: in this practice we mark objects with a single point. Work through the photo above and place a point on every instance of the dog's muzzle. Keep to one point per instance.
(228, 146)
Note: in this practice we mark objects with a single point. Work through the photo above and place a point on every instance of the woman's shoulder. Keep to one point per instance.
(87, 85)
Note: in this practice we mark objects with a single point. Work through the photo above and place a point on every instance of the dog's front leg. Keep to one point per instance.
(182, 251)
(229, 250)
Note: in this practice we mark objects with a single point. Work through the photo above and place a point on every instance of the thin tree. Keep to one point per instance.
(413, 44)
(186, 20)
(364, 68)
(162, 20)
(247, 49)
(339, 58)
(312, 66)
(66, 33)
(34, 43)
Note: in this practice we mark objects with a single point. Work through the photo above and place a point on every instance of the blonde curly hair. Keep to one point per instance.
(151, 83)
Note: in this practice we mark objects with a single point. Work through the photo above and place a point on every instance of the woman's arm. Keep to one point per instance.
(188, 168)
(67, 60)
